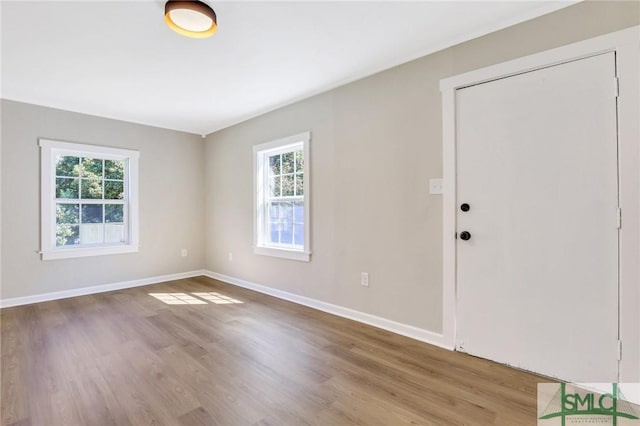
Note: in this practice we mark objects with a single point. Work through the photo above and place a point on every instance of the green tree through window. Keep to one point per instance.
(90, 199)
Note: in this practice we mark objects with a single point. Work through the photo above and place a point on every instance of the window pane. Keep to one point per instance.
(274, 187)
(92, 213)
(286, 235)
(299, 184)
(299, 162)
(287, 162)
(298, 212)
(67, 235)
(91, 189)
(91, 168)
(114, 213)
(273, 233)
(272, 212)
(67, 213)
(113, 190)
(280, 222)
(298, 235)
(274, 165)
(92, 233)
(67, 187)
(287, 185)
(113, 169)
(286, 212)
(67, 166)
(114, 233)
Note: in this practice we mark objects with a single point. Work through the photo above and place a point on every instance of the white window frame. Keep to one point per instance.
(260, 153)
(49, 149)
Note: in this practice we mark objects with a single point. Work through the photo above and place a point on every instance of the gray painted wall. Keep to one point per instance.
(171, 202)
(375, 145)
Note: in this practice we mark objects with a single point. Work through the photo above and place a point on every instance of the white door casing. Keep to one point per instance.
(626, 45)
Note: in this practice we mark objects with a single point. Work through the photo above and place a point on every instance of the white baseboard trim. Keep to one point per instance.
(373, 320)
(27, 300)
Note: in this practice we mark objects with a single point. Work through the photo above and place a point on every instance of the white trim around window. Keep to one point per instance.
(124, 207)
(283, 236)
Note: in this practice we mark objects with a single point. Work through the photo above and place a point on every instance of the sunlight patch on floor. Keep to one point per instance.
(200, 299)
(217, 298)
(177, 299)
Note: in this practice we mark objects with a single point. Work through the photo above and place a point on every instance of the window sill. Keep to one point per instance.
(301, 256)
(69, 253)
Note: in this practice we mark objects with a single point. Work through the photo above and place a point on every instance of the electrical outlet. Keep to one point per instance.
(183, 252)
(364, 279)
(230, 257)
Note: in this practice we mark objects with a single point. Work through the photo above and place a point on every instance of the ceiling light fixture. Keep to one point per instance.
(190, 18)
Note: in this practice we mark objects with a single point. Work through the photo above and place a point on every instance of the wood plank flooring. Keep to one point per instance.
(236, 357)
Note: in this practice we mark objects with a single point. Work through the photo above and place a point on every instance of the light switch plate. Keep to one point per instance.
(435, 186)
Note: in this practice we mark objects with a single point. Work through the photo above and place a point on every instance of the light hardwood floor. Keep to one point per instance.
(126, 357)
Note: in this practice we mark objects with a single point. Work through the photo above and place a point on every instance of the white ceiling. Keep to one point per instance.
(120, 60)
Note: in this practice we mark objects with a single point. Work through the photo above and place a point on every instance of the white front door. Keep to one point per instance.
(537, 281)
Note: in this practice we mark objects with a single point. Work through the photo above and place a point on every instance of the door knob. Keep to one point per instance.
(464, 207)
(464, 235)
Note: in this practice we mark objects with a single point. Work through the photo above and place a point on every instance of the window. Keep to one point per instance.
(281, 226)
(89, 200)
